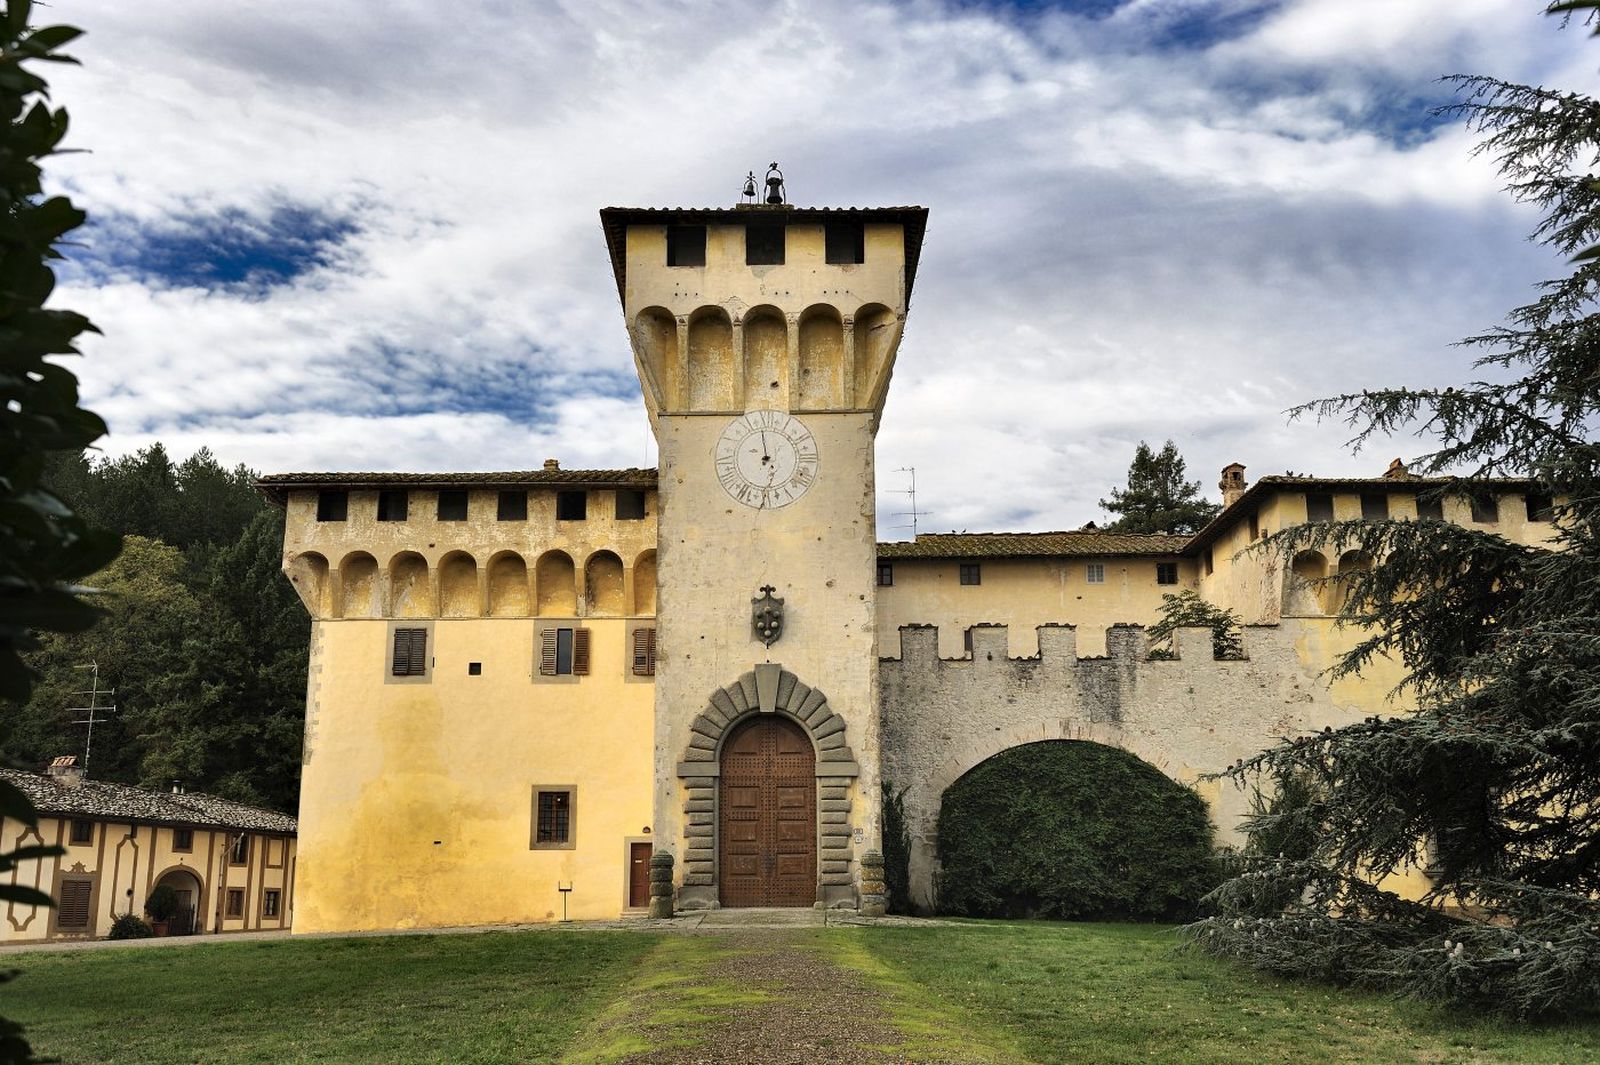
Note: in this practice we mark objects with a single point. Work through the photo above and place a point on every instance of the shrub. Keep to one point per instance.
(162, 905)
(130, 926)
(1073, 830)
(896, 851)
(1188, 610)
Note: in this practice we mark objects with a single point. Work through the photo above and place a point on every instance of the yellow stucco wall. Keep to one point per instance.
(416, 802)
(1023, 593)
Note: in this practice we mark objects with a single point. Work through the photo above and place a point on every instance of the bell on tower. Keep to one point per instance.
(776, 194)
(748, 196)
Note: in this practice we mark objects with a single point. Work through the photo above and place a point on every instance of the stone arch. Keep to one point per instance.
(308, 572)
(557, 581)
(983, 745)
(1302, 585)
(821, 383)
(768, 689)
(766, 359)
(644, 584)
(508, 586)
(603, 585)
(656, 333)
(713, 381)
(1350, 562)
(877, 331)
(458, 586)
(410, 588)
(359, 586)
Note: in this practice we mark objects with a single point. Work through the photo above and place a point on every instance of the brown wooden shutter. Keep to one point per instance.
(419, 652)
(547, 652)
(580, 652)
(402, 652)
(74, 912)
(644, 652)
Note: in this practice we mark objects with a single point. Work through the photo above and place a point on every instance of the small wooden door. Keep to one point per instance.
(767, 851)
(183, 921)
(638, 875)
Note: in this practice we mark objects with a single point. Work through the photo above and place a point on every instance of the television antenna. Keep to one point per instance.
(911, 493)
(90, 712)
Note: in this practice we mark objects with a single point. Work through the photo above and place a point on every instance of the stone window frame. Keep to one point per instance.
(571, 842)
(969, 574)
(429, 658)
(543, 625)
(1094, 573)
(885, 574)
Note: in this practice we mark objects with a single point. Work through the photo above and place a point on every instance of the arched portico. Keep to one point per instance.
(191, 892)
(767, 689)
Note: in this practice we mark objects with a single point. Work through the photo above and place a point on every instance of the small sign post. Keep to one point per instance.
(565, 891)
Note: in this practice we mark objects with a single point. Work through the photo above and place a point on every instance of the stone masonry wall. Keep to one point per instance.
(1188, 717)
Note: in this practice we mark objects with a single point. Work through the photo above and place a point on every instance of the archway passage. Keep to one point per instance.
(1067, 829)
(187, 886)
(767, 812)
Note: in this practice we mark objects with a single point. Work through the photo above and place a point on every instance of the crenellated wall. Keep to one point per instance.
(1188, 716)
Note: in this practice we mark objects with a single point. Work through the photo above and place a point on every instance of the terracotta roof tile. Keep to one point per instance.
(1032, 545)
(123, 802)
(275, 485)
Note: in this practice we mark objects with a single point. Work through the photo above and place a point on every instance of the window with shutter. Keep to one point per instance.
(235, 903)
(644, 652)
(410, 653)
(73, 913)
(580, 652)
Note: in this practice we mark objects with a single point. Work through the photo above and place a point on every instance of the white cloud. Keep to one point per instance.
(1127, 241)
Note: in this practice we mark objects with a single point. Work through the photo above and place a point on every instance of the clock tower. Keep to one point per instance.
(764, 338)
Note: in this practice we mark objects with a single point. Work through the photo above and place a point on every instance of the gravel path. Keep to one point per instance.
(818, 1011)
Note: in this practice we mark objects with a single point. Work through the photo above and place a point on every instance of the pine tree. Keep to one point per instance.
(1492, 786)
(1158, 499)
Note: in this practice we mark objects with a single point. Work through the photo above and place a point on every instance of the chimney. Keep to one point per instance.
(1232, 484)
(552, 464)
(1397, 471)
(66, 771)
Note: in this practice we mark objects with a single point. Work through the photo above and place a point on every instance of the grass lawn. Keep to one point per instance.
(494, 997)
(1120, 993)
(977, 991)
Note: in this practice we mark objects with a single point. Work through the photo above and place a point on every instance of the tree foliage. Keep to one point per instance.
(1157, 499)
(45, 549)
(1187, 610)
(1492, 786)
(1071, 830)
(205, 646)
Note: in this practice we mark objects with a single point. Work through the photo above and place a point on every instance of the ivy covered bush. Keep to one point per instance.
(1072, 830)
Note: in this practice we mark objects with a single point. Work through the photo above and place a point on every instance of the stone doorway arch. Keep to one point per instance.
(767, 689)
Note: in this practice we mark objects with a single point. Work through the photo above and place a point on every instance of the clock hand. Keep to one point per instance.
(766, 452)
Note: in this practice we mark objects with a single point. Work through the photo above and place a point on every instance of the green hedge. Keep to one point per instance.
(1072, 830)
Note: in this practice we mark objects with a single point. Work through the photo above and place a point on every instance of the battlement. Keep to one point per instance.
(1125, 643)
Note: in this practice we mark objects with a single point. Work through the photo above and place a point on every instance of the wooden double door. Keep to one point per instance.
(767, 815)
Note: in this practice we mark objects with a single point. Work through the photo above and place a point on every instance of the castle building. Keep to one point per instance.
(525, 685)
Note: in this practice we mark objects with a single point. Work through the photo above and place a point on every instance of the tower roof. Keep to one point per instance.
(616, 220)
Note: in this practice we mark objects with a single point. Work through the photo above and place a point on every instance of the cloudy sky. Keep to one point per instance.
(335, 235)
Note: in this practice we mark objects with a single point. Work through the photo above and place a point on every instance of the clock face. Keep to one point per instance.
(766, 459)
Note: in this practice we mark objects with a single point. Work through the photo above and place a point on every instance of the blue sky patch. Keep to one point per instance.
(232, 249)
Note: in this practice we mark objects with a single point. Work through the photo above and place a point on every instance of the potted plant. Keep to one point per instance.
(161, 907)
